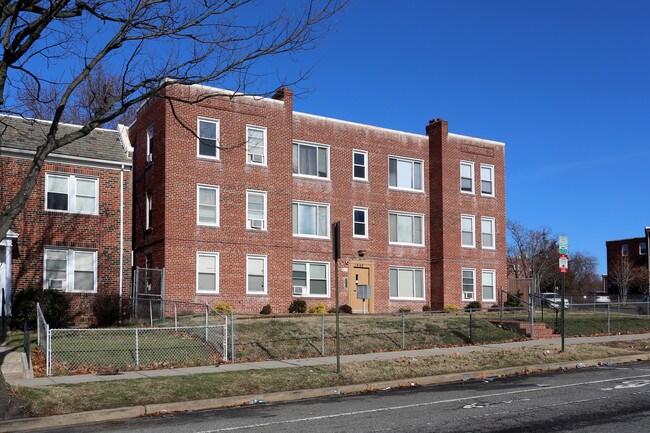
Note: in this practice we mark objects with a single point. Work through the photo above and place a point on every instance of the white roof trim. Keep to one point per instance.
(225, 92)
(65, 159)
(124, 137)
(347, 122)
(50, 122)
(477, 140)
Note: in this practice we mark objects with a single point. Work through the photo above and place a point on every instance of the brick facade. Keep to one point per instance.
(636, 251)
(175, 171)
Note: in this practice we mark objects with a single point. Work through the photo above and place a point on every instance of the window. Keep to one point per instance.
(311, 279)
(488, 278)
(256, 210)
(208, 138)
(487, 233)
(469, 284)
(359, 165)
(256, 274)
(207, 272)
(405, 174)
(70, 270)
(67, 193)
(311, 219)
(150, 144)
(405, 228)
(149, 215)
(643, 248)
(255, 145)
(207, 205)
(624, 250)
(467, 177)
(360, 222)
(467, 231)
(406, 283)
(487, 180)
(311, 160)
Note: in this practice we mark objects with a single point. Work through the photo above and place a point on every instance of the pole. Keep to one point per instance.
(562, 312)
(338, 342)
(470, 327)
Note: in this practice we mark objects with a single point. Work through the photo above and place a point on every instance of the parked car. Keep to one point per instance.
(642, 305)
(553, 300)
(598, 297)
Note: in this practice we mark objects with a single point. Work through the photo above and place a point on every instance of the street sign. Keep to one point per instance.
(564, 242)
(564, 264)
(564, 251)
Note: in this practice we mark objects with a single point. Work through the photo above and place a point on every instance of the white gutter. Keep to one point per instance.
(121, 228)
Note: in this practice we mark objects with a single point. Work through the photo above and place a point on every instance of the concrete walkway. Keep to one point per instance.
(13, 363)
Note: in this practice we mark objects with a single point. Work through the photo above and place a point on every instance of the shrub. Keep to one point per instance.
(513, 301)
(452, 309)
(404, 310)
(426, 308)
(54, 305)
(475, 305)
(342, 309)
(106, 309)
(223, 308)
(266, 309)
(298, 306)
(495, 308)
(318, 309)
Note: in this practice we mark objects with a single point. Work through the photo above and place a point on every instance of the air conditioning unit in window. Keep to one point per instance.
(257, 224)
(298, 290)
(149, 158)
(467, 295)
(54, 284)
(257, 158)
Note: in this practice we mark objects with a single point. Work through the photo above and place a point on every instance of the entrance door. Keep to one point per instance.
(361, 273)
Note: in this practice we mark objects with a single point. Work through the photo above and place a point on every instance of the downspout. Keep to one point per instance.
(121, 228)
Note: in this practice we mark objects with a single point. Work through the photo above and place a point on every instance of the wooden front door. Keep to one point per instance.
(361, 273)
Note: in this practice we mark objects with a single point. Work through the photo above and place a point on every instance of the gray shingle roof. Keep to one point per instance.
(28, 134)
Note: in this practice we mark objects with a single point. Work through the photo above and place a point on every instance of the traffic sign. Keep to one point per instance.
(564, 264)
(563, 242)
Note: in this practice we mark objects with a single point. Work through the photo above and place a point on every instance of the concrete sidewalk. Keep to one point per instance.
(13, 363)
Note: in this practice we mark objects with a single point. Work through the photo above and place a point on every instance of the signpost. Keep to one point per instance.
(336, 255)
(563, 250)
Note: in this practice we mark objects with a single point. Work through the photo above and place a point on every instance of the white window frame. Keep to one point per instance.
(149, 210)
(365, 165)
(471, 173)
(413, 269)
(308, 264)
(70, 268)
(150, 135)
(265, 218)
(625, 250)
(493, 272)
(72, 193)
(410, 214)
(264, 146)
(317, 146)
(365, 222)
(492, 181)
(198, 204)
(411, 161)
(265, 283)
(473, 219)
(490, 220)
(462, 285)
(309, 203)
(198, 138)
(216, 274)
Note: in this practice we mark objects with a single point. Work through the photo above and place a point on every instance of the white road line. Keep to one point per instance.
(429, 403)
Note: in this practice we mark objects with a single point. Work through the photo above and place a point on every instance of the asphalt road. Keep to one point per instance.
(607, 399)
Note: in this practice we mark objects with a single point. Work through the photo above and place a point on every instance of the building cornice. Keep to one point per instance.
(65, 159)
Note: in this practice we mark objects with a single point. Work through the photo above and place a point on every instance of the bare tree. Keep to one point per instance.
(532, 254)
(622, 274)
(582, 276)
(93, 61)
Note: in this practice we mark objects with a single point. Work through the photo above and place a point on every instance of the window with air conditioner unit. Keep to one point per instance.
(256, 145)
(311, 279)
(55, 284)
(257, 158)
(257, 224)
(70, 270)
(469, 284)
(298, 290)
(256, 210)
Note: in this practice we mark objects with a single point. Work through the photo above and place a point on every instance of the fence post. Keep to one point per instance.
(322, 338)
(609, 329)
(26, 338)
(232, 337)
(471, 326)
(48, 350)
(175, 317)
(403, 331)
(137, 349)
(501, 309)
(150, 314)
(206, 322)
(2, 331)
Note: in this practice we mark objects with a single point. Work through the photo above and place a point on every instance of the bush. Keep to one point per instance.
(266, 309)
(345, 308)
(298, 306)
(452, 309)
(106, 309)
(404, 310)
(495, 308)
(512, 301)
(475, 305)
(54, 305)
(426, 308)
(222, 308)
(318, 309)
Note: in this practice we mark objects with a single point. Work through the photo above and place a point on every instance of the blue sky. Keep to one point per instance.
(565, 84)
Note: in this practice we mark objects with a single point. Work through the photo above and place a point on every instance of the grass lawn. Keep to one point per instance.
(595, 323)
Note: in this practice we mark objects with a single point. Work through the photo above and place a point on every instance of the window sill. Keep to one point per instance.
(207, 293)
(408, 299)
(399, 244)
(356, 179)
(467, 192)
(307, 177)
(312, 296)
(468, 247)
(316, 238)
(257, 295)
(67, 212)
(488, 195)
(416, 191)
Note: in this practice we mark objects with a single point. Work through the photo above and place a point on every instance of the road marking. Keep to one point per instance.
(414, 405)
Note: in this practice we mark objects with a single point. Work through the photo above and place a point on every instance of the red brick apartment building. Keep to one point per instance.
(636, 251)
(75, 231)
(235, 197)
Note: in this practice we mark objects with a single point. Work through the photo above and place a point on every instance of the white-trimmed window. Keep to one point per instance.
(256, 275)
(70, 270)
(467, 238)
(625, 250)
(207, 143)
(359, 165)
(488, 281)
(311, 160)
(256, 210)
(69, 193)
(406, 228)
(406, 283)
(256, 145)
(149, 214)
(406, 174)
(150, 144)
(360, 222)
(487, 233)
(207, 205)
(467, 177)
(487, 180)
(469, 284)
(311, 219)
(207, 272)
(643, 249)
(311, 279)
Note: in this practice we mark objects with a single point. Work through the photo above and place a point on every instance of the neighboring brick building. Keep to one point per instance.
(75, 230)
(636, 251)
(248, 222)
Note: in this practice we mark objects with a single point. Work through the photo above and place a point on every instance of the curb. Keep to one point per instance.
(123, 413)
